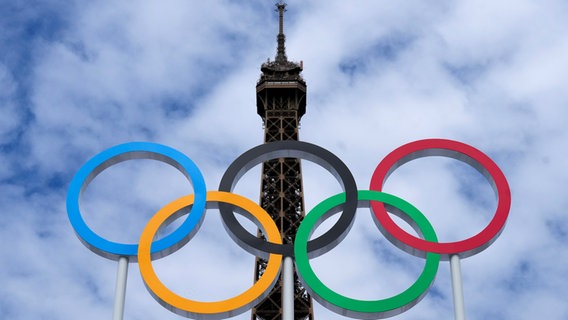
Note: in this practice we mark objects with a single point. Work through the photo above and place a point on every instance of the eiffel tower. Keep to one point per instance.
(281, 102)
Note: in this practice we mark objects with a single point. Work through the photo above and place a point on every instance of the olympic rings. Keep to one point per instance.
(219, 309)
(365, 309)
(425, 246)
(458, 151)
(290, 149)
(133, 150)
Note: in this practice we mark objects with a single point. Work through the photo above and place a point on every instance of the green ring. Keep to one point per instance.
(382, 308)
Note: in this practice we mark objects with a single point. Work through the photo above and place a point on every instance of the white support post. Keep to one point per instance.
(288, 289)
(120, 291)
(457, 287)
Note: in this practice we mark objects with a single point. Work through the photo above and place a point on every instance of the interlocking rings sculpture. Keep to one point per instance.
(381, 204)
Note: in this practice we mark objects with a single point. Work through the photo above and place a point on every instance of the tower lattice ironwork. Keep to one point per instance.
(281, 102)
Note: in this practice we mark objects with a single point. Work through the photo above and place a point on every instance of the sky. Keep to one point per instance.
(78, 77)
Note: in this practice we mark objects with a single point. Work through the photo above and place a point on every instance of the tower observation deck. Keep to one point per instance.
(281, 102)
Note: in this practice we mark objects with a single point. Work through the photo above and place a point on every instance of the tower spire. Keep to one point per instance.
(281, 50)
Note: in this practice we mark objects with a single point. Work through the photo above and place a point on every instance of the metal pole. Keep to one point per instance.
(288, 289)
(120, 291)
(457, 287)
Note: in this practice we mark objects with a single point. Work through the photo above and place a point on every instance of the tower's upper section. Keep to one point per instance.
(281, 86)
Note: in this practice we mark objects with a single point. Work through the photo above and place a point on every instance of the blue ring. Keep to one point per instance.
(135, 150)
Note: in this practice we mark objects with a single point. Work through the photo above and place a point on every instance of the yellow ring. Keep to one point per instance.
(216, 309)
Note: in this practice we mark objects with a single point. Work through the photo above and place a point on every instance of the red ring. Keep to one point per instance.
(458, 151)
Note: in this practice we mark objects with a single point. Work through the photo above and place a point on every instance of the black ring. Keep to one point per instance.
(289, 149)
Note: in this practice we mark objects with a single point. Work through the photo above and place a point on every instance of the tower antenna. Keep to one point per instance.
(281, 50)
